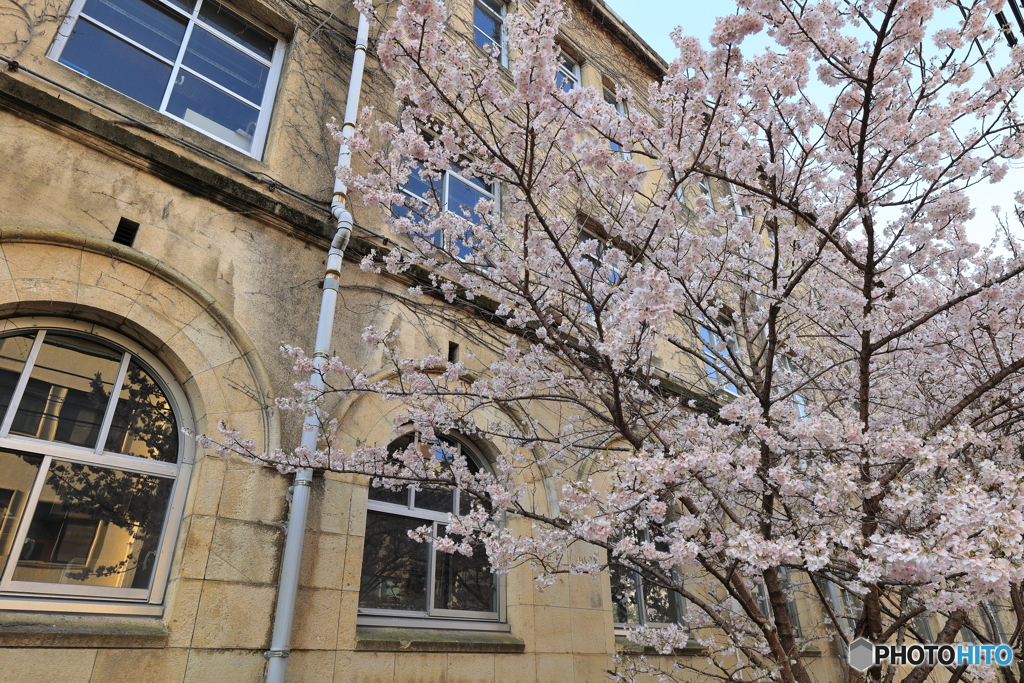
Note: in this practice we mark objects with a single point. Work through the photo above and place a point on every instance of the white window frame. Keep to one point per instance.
(569, 70)
(704, 184)
(437, 238)
(433, 617)
(797, 400)
(502, 48)
(709, 340)
(265, 107)
(21, 595)
(620, 109)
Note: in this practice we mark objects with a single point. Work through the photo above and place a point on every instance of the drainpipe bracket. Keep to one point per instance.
(276, 653)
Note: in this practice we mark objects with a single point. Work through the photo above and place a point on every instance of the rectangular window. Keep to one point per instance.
(718, 353)
(405, 579)
(194, 60)
(620, 109)
(568, 76)
(797, 399)
(489, 28)
(705, 189)
(452, 191)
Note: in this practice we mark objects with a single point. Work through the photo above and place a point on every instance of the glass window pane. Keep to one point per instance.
(17, 474)
(95, 527)
(13, 354)
(220, 17)
(186, 5)
(147, 23)
(463, 197)
(116, 64)
(68, 392)
(400, 496)
(624, 596)
(143, 424)
(394, 566)
(437, 499)
(213, 111)
(659, 604)
(226, 65)
(464, 583)
(487, 31)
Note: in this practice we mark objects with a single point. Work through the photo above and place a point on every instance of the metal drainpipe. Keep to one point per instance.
(291, 559)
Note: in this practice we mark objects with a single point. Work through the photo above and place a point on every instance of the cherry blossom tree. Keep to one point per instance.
(802, 384)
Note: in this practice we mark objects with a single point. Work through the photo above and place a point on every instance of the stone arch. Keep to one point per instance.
(46, 272)
(377, 427)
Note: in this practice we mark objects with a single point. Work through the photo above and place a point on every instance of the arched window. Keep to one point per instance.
(91, 460)
(403, 578)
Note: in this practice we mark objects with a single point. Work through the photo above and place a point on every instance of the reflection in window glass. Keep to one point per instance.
(487, 19)
(143, 424)
(394, 566)
(116, 64)
(13, 354)
(226, 65)
(402, 574)
(69, 517)
(464, 583)
(636, 600)
(214, 111)
(231, 24)
(159, 52)
(68, 392)
(95, 526)
(150, 24)
(18, 471)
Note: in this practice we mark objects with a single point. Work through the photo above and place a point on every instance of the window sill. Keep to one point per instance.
(45, 629)
(371, 639)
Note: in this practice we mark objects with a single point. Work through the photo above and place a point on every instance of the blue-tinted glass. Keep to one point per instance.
(147, 23)
(186, 5)
(462, 198)
(116, 64)
(422, 186)
(487, 30)
(213, 111)
(226, 65)
(238, 28)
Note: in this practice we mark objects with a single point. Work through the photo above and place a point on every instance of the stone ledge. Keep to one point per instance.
(45, 629)
(370, 639)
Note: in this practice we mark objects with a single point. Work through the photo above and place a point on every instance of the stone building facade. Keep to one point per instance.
(163, 225)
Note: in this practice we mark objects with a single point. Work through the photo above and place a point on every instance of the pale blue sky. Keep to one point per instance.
(653, 20)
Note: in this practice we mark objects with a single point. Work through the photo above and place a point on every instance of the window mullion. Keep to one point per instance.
(641, 604)
(19, 389)
(218, 86)
(431, 570)
(259, 136)
(26, 521)
(177, 61)
(108, 415)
